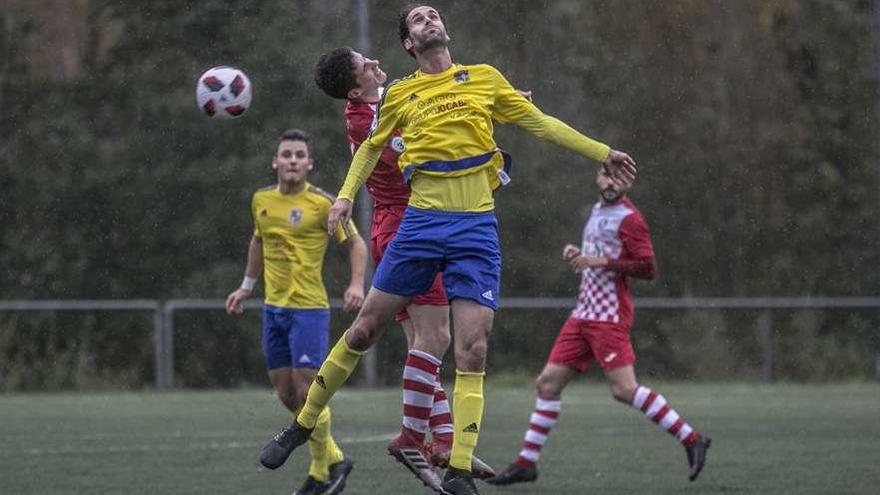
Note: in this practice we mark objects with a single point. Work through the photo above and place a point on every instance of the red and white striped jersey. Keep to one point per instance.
(617, 232)
(385, 185)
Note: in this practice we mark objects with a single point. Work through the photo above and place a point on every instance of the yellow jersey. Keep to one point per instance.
(449, 154)
(293, 231)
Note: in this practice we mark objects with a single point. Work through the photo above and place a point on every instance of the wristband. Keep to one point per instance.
(248, 283)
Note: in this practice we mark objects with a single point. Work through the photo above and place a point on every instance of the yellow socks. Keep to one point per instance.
(468, 414)
(323, 449)
(332, 375)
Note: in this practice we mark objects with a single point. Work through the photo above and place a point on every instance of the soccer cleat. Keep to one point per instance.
(459, 482)
(514, 474)
(277, 450)
(312, 487)
(339, 472)
(696, 455)
(441, 451)
(412, 455)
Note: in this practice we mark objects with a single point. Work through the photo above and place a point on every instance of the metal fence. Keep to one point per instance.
(163, 313)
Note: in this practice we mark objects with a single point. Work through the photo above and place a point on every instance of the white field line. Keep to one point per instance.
(74, 450)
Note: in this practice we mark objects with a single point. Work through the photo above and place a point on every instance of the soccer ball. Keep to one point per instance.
(223, 93)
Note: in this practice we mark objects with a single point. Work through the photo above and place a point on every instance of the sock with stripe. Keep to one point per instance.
(419, 386)
(543, 420)
(440, 422)
(333, 373)
(468, 405)
(654, 406)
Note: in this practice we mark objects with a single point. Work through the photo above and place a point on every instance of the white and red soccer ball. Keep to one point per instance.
(224, 93)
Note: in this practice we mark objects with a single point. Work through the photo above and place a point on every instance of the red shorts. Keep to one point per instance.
(581, 341)
(384, 228)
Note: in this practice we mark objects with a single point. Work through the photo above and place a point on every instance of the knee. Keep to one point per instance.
(302, 391)
(432, 340)
(471, 356)
(442, 339)
(623, 392)
(363, 333)
(288, 396)
(547, 388)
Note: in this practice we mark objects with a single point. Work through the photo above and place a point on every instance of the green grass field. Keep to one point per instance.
(781, 439)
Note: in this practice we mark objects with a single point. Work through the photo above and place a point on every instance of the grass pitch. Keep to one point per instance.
(780, 439)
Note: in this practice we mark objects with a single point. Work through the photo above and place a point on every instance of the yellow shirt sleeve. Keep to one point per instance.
(511, 106)
(362, 165)
(364, 160)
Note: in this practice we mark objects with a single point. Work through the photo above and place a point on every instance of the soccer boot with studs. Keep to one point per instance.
(413, 455)
(279, 448)
(339, 472)
(696, 455)
(514, 473)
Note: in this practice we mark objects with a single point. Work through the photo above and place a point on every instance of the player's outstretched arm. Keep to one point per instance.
(619, 165)
(515, 106)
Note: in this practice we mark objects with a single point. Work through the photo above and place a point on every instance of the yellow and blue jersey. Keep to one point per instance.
(446, 125)
(293, 230)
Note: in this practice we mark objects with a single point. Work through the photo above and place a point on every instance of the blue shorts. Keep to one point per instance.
(295, 337)
(464, 246)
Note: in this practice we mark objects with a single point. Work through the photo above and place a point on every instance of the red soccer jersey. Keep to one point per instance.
(385, 185)
(617, 232)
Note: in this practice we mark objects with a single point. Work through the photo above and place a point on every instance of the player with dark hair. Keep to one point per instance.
(444, 113)
(287, 248)
(615, 247)
(346, 74)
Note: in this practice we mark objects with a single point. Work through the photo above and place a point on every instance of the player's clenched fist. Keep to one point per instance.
(570, 251)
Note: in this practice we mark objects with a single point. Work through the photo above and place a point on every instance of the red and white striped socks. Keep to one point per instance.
(654, 406)
(441, 418)
(543, 419)
(424, 400)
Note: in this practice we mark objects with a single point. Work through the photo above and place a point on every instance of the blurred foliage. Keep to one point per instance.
(754, 124)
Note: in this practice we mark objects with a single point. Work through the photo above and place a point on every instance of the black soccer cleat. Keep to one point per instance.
(696, 455)
(339, 472)
(514, 474)
(277, 450)
(312, 487)
(458, 482)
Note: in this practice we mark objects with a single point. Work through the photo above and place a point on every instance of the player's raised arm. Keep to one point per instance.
(512, 106)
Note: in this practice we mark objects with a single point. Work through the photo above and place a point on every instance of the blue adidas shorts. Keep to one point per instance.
(297, 338)
(464, 246)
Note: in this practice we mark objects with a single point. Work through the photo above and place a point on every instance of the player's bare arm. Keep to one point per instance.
(353, 298)
(253, 269)
(581, 263)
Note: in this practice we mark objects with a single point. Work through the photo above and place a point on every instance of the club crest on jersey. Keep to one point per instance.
(397, 144)
(462, 76)
(296, 217)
